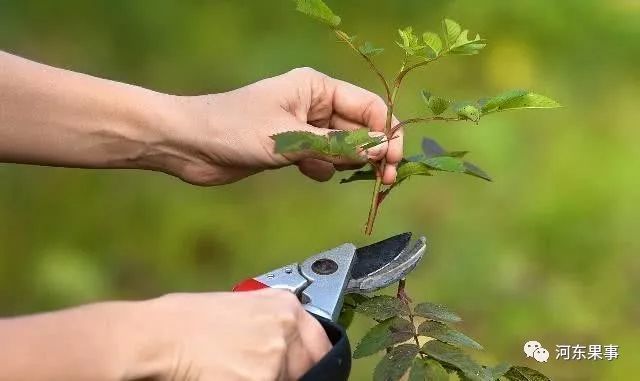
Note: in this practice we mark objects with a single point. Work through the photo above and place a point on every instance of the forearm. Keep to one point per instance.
(85, 343)
(51, 116)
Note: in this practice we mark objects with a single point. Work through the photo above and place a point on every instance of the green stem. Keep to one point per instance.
(425, 119)
(373, 208)
(376, 194)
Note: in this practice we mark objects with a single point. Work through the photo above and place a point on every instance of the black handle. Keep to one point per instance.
(336, 364)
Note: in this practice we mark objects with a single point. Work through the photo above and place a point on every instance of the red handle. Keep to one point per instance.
(249, 285)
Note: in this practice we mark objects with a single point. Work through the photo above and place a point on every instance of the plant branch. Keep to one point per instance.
(423, 119)
(377, 196)
(402, 295)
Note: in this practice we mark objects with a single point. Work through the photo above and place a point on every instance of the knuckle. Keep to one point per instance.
(305, 70)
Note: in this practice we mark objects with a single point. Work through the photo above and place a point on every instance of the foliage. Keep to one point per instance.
(418, 50)
(396, 330)
(404, 329)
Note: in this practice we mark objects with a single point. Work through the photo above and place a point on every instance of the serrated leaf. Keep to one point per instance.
(451, 355)
(294, 141)
(438, 105)
(360, 137)
(407, 169)
(383, 335)
(451, 31)
(427, 370)
(498, 371)
(445, 163)
(517, 99)
(318, 10)
(368, 174)
(468, 112)
(335, 143)
(369, 50)
(522, 373)
(409, 41)
(448, 335)
(339, 146)
(382, 307)
(436, 312)
(433, 42)
(464, 46)
(396, 363)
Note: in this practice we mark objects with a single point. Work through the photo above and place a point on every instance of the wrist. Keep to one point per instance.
(177, 134)
(145, 351)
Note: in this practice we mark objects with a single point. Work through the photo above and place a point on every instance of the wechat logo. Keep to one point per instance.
(534, 349)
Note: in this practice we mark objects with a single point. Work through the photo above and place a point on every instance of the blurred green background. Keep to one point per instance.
(549, 251)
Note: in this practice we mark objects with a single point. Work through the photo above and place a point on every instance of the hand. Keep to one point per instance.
(259, 335)
(226, 137)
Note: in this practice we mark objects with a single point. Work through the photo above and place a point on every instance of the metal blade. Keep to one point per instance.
(397, 268)
(375, 256)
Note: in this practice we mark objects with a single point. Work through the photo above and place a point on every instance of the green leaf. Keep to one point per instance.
(431, 148)
(438, 105)
(354, 300)
(382, 307)
(407, 169)
(427, 370)
(339, 145)
(369, 50)
(464, 46)
(498, 371)
(436, 312)
(433, 42)
(318, 10)
(451, 31)
(468, 112)
(443, 333)
(336, 143)
(346, 317)
(396, 363)
(294, 141)
(383, 335)
(360, 137)
(522, 373)
(368, 174)
(517, 99)
(445, 163)
(453, 356)
(474, 170)
(409, 41)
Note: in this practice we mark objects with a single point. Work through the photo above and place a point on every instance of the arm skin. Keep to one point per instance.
(55, 117)
(50, 116)
(259, 335)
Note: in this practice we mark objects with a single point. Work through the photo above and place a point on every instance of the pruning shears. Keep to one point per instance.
(322, 280)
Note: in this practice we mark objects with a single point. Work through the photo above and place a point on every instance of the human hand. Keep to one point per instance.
(226, 137)
(259, 335)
